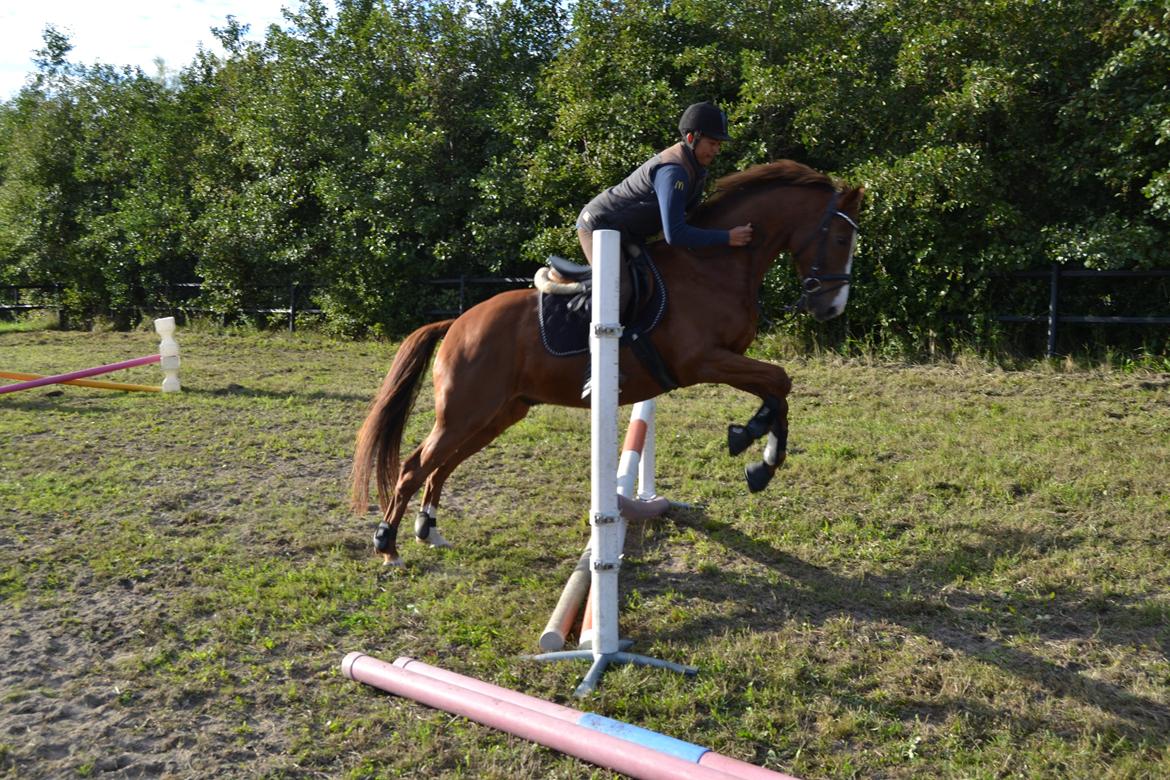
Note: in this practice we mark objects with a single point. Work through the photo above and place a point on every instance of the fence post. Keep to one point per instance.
(62, 317)
(1053, 293)
(292, 307)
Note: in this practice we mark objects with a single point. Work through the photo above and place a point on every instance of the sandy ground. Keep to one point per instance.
(72, 705)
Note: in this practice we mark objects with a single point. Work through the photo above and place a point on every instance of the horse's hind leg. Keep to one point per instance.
(426, 457)
(425, 527)
(386, 537)
(453, 442)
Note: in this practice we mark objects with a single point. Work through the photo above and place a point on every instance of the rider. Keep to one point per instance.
(655, 197)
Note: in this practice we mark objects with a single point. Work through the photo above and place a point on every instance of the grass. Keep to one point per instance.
(961, 572)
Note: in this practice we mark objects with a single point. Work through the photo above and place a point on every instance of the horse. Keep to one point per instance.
(492, 366)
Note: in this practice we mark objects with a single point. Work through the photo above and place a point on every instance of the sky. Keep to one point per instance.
(123, 32)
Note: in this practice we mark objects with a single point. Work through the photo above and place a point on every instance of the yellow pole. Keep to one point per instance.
(87, 383)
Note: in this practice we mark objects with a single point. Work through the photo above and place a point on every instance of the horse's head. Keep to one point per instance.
(793, 207)
(824, 255)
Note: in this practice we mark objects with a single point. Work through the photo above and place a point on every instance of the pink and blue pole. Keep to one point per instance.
(631, 750)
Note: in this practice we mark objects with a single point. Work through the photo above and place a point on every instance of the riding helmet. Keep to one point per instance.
(706, 119)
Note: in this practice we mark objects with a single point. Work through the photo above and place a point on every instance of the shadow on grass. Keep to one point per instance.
(249, 392)
(962, 621)
(37, 399)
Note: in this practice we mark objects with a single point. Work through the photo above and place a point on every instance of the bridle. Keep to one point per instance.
(813, 283)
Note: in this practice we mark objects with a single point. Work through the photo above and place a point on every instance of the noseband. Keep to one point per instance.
(814, 283)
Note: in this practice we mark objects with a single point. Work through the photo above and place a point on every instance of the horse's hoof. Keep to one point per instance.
(738, 439)
(435, 539)
(394, 561)
(758, 476)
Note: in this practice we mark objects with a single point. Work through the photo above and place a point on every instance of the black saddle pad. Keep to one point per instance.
(566, 332)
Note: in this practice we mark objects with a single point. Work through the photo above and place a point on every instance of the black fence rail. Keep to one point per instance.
(297, 293)
(464, 284)
(13, 298)
(1053, 318)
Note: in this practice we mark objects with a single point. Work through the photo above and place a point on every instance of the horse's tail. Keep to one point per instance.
(380, 437)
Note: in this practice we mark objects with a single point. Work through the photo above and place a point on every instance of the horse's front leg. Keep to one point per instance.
(775, 451)
(772, 385)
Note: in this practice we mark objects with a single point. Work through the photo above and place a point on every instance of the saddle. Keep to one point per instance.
(639, 279)
(565, 309)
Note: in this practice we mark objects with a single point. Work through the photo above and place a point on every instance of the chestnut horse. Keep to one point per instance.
(492, 367)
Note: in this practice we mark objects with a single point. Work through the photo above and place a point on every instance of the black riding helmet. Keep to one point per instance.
(705, 119)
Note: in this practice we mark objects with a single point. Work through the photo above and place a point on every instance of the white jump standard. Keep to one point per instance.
(607, 527)
(637, 460)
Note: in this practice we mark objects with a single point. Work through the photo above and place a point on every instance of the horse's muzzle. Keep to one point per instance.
(827, 314)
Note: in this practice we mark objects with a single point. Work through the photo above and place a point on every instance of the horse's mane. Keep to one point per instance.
(786, 172)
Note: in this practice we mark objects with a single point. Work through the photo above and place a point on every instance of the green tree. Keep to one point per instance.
(367, 150)
(40, 195)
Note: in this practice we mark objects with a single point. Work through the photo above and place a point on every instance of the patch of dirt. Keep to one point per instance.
(64, 711)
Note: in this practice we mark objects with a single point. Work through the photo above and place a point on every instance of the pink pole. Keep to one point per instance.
(58, 378)
(595, 747)
(710, 759)
(551, 709)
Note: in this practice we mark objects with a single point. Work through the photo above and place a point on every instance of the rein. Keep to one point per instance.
(814, 283)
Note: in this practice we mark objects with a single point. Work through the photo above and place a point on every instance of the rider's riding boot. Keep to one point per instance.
(587, 385)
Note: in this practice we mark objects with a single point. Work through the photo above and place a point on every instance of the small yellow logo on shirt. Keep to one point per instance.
(678, 185)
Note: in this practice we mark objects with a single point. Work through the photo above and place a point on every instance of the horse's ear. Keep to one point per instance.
(852, 198)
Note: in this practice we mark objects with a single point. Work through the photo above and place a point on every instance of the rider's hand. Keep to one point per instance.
(740, 236)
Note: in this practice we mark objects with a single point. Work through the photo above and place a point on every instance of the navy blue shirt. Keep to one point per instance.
(670, 182)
